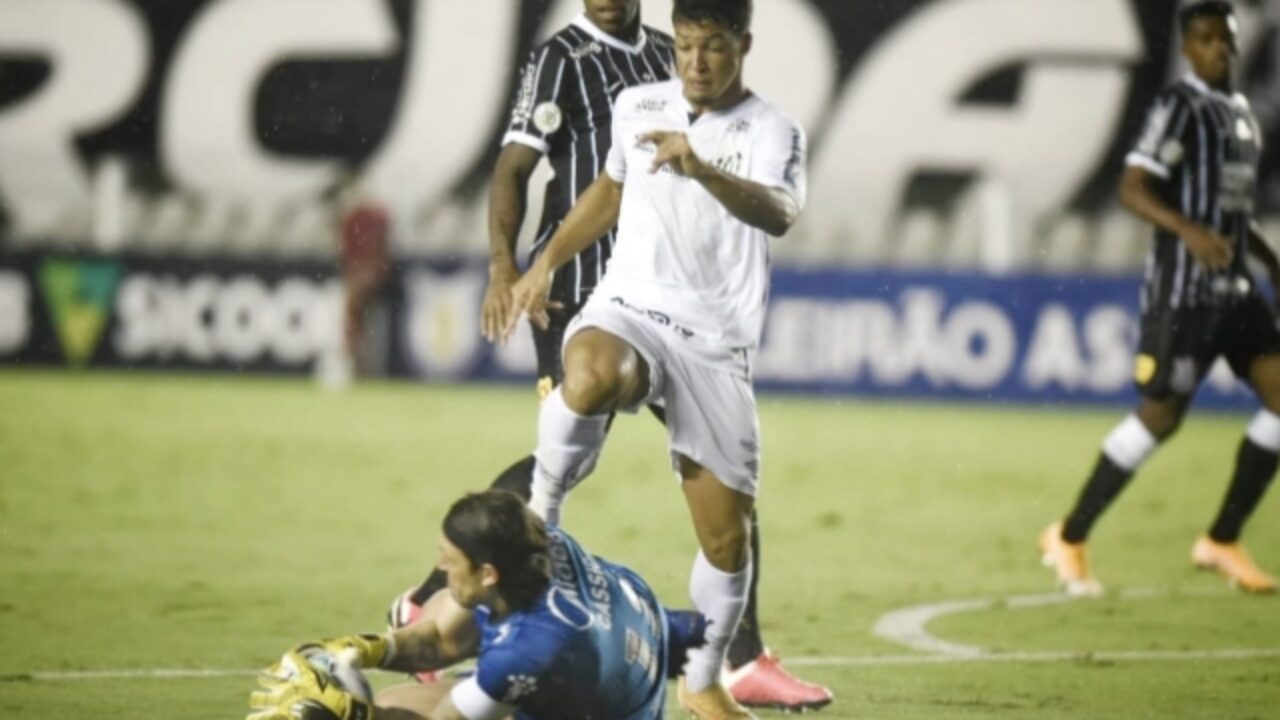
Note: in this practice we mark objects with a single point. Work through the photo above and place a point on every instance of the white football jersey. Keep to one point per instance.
(680, 256)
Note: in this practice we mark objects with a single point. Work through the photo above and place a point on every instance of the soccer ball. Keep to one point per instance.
(344, 673)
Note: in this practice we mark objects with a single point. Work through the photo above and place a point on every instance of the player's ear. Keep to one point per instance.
(744, 42)
(489, 576)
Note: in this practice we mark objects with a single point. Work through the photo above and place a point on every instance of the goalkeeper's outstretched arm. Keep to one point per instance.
(445, 636)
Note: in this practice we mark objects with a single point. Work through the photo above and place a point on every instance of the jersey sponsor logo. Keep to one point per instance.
(656, 316)
(1182, 379)
(523, 108)
(547, 118)
(586, 49)
(1236, 187)
(731, 163)
(519, 686)
(80, 296)
(651, 105)
(791, 174)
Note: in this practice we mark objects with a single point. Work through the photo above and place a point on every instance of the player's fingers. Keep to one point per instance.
(518, 308)
(541, 319)
(486, 322)
(265, 698)
(554, 305)
(653, 136)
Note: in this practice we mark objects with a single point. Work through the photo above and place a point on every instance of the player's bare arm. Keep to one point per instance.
(767, 208)
(591, 217)
(508, 200)
(445, 636)
(446, 710)
(1209, 248)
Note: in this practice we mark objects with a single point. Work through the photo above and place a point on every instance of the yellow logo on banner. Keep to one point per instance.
(1144, 368)
(79, 295)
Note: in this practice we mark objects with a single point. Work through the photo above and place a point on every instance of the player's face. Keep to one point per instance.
(1210, 46)
(612, 16)
(466, 582)
(709, 62)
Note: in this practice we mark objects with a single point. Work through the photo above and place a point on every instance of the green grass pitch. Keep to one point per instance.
(207, 524)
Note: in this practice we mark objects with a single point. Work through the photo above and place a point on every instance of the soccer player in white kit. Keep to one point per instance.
(701, 172)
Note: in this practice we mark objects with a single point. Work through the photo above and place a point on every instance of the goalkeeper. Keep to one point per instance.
(557, 634)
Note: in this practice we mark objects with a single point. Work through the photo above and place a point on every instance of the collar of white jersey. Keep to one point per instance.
(1203, 88)
(677, 87)
(583, 23)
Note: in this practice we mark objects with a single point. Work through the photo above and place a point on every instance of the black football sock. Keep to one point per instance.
(747, 643)
(1106, 482)
(518, 479)
(1255, 466)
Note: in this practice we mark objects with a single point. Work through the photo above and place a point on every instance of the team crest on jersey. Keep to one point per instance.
(1244, 130)
(547, 117)
(1171, 152)
(519, 686)
(1144, 368)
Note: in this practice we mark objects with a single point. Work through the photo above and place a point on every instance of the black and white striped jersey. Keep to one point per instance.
(563, 108)
(1204, 147)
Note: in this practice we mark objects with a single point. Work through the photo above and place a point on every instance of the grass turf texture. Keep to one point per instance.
(154, 521)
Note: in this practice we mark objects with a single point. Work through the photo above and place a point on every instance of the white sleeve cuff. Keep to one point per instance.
(532, 141)
(1146, 163)
(475, 704)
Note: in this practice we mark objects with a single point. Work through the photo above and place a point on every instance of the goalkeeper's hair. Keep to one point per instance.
(497, 528)
(1203, 8)
(733, 14)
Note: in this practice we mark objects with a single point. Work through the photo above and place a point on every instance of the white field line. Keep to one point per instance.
(905, 626)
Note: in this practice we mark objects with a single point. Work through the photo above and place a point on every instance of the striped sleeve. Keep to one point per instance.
(537, 112)
(1162, 146)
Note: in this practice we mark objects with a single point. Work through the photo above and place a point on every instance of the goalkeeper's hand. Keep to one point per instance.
(294, 690)
(365, 651)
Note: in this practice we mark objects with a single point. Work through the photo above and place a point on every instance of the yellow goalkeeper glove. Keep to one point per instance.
(295, 690)
(365, 651)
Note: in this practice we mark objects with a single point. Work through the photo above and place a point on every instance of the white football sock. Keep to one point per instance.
(722, 598)
(1264, 430)
(568, 447)
(1129, 444)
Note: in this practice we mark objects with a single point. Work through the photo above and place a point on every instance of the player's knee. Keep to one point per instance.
(591, 388)
(1162, 418)
(727, 548)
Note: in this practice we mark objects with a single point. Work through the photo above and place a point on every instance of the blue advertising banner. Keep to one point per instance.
(1038, 339)
(958, 336)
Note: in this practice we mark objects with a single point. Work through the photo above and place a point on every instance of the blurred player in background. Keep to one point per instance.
(557, 633)
(1193, 175)
(563, 109)
(700, 174)
(364, 234)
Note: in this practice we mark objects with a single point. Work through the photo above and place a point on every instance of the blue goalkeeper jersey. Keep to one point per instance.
(593, 646)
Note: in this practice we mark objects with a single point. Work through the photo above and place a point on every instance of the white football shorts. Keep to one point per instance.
(710, 405)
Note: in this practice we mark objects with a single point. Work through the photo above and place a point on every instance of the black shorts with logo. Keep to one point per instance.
(1179, 345)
